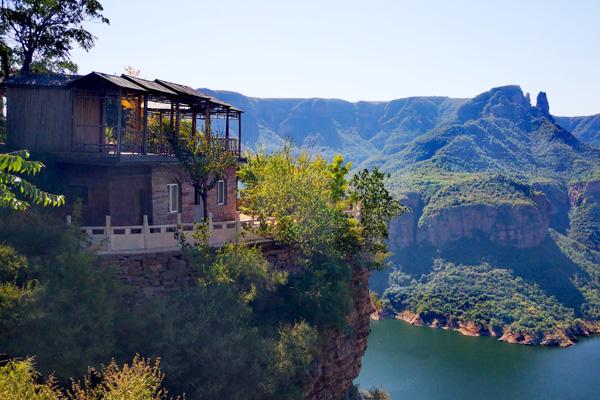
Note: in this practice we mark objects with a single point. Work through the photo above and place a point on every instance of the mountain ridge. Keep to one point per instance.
(264, 118)
(495, 184)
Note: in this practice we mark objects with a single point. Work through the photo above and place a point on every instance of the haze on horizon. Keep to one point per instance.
(353, 50)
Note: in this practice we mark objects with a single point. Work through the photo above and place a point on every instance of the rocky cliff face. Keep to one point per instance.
(339, 360)
(519, 225)
(584, 199)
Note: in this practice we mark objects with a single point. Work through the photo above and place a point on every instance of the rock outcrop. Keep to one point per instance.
(518, 225)
(542, 103)
(561, 338)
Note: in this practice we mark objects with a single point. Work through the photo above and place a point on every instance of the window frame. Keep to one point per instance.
(221, 192)
(170, 208)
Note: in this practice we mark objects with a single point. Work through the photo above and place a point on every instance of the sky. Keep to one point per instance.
(359, 50)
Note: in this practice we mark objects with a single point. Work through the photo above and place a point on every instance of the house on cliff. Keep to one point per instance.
(107, 138)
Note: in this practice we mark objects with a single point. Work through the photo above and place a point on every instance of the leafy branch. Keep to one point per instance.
(17, 193)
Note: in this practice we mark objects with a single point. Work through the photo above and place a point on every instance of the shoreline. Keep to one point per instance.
(563, 338)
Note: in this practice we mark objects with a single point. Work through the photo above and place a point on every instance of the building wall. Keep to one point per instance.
(227, 211)
(39, 119)
(161, 177)
(130, 191)
(123, 193)
(91, 185)
(164, 175)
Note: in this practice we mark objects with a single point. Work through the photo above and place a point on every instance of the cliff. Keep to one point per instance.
(520, 224)
(339, 360)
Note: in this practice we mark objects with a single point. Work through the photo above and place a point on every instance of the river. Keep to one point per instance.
(411, 362)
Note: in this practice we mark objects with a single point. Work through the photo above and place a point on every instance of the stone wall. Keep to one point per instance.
(339, 360)
(152, 274)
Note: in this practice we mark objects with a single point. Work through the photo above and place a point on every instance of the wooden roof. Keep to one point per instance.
(127, 82)
(45, 80)
(151, 86)
(110, 79)
(182, 89)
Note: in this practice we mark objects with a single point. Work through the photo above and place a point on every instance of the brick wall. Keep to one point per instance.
(164, 175)
(224, 212)
(161, 177)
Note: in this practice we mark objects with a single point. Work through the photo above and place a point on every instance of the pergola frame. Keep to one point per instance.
(170, 103)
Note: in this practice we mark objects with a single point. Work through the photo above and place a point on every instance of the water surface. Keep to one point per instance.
(414, 363)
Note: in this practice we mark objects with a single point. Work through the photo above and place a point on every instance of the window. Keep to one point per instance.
(221, 193)
(173, 190)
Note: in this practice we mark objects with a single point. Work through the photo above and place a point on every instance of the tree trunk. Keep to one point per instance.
(204, 196)
(27, 60)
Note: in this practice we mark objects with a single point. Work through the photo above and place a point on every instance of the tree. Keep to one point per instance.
(205, 161)
(19, 380)
(17, 193)
(142, 380)
(377, 206)
(38, 35)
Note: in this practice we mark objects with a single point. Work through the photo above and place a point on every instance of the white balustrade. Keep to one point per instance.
(109, 239)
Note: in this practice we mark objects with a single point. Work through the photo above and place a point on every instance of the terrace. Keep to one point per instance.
(129, 116)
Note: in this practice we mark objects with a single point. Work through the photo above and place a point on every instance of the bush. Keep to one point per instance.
(19, 381)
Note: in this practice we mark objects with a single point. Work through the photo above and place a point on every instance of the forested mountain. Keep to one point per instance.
(360, 130)
(494, 183)
(586, 129)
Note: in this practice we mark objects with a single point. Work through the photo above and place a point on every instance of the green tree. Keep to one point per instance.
(205, 161)
(17, 193)
(296, 200)
(38, 35)
(377, 206)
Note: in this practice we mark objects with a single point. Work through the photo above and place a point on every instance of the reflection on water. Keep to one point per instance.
(422, 363)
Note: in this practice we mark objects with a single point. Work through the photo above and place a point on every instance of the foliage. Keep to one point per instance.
(205, 160)
(57, 295)
(19, 380)
(297, 194)
(377, 207)
(483, 295)
(339, 183)
(485, 190)
(584, 217)
(293, 352)
(38, 35)
(246, 269)
(142, 380)
(16, 292)
(16, 192)
(376, 301)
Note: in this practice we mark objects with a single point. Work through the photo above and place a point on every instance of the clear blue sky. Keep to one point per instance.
(359, 50)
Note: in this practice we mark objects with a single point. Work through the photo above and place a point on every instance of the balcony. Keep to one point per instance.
(132, 116)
